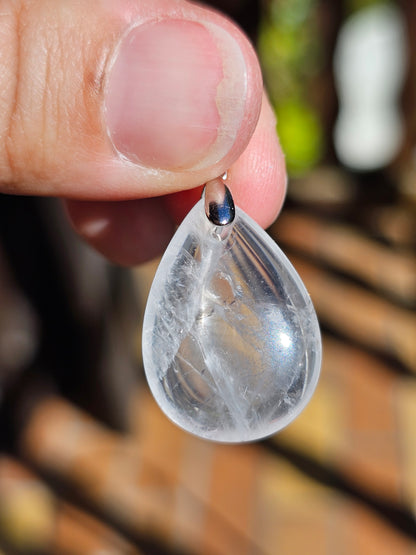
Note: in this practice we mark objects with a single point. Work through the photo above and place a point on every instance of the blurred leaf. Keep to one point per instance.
(300, 134)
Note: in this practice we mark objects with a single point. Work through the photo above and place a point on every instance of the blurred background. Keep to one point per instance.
(89, 465)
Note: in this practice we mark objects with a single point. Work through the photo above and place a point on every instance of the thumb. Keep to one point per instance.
(121, 99)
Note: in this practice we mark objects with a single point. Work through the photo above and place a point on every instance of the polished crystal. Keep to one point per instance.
(231, 342)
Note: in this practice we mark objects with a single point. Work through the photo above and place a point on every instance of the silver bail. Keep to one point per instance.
(219, 204)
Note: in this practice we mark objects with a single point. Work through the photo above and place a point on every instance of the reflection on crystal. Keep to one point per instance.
(285, 340)
(231, 343)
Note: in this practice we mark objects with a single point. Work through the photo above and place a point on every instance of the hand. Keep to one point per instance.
(123, 107)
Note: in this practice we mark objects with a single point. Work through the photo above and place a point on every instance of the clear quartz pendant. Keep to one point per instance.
(231, 341)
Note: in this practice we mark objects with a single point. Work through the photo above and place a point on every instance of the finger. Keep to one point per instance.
(123, 100)
(131, 232)
(258, 178)
(125, 232)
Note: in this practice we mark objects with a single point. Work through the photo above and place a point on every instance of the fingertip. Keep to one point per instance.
(165, 133)
(258, 179)
(127, 232)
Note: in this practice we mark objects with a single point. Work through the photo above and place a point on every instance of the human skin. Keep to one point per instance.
(125, 109)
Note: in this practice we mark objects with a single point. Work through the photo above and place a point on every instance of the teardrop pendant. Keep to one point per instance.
(231, 341)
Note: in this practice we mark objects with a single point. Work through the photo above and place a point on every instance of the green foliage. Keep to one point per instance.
(300, 134)
(289, 48)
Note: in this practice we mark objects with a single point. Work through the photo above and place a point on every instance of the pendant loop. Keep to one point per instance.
(219, 204)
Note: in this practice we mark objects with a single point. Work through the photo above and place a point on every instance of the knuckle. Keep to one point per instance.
(46, 91)
(8, 82)
(26, 95)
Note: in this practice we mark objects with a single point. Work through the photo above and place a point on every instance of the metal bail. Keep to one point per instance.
(219, 204)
